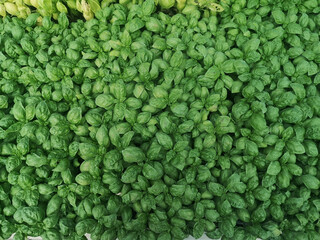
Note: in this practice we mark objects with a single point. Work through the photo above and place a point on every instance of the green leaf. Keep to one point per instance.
(310, 181)
(133, 154)
(135, 25)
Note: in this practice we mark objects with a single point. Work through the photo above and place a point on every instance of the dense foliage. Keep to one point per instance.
(142, 125)
(88, 8)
